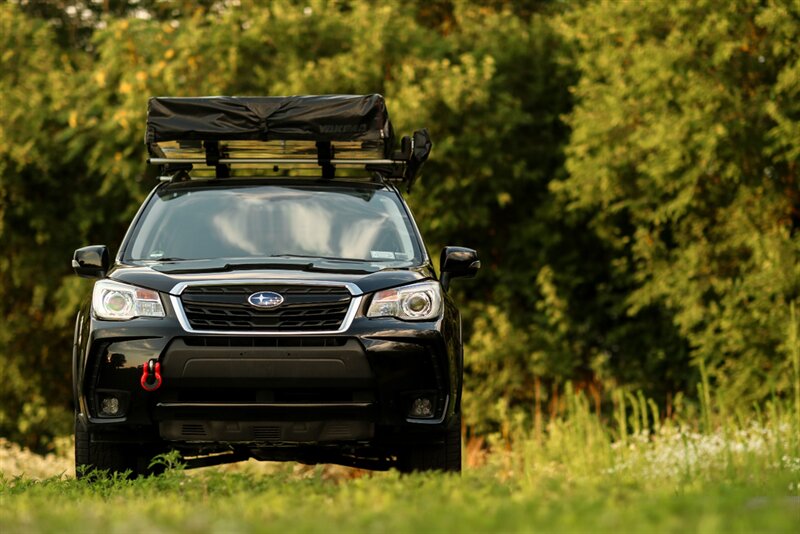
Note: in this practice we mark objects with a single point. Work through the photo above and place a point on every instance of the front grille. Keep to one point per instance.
(304, 308)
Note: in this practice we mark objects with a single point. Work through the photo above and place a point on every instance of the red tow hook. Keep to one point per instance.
(151, 375)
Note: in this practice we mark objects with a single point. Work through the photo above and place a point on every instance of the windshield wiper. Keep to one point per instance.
(287, 261)
(267, 265)
(220, 265)
(325, 258)
(169, 258)
(297, 265)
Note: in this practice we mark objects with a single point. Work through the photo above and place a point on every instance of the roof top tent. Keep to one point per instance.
(220, 133)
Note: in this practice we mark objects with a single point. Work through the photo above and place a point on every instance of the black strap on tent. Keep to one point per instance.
(420, 150)
(324, 157)
(213, 155)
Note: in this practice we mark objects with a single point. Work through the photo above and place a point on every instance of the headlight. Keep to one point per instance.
(415, 302)
(117, 301)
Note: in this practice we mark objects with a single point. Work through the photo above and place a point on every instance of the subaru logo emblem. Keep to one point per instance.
(265, 299)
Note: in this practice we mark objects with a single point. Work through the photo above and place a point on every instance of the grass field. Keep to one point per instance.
(578, 475)
(479, 501)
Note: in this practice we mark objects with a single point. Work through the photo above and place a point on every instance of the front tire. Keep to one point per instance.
(112, 458)
(441, 455)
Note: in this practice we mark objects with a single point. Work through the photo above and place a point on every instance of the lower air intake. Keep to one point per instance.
(192, 430)
(267, 433)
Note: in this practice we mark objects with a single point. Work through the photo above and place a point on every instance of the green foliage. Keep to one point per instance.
(684, 150)
(478, 502)
(79, 164)
(40, 218)
(652, 227)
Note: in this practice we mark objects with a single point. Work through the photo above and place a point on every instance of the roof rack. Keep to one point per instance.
(327, 131)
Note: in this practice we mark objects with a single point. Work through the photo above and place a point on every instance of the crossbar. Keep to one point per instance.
(275, 161)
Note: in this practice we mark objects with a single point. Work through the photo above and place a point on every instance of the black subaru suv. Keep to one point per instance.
(273, 298)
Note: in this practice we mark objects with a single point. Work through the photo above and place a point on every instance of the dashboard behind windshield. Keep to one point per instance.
(262, 221)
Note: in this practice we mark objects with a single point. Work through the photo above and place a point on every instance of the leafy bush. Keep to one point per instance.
(684, 152)
(627, 171)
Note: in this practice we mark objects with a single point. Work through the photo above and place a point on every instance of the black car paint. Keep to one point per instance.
(126, 346)
(164, 282)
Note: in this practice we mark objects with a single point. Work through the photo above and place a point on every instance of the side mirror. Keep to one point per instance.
(91, 262)
(458, 262)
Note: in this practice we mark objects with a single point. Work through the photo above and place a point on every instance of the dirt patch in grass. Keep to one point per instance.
(17, 461)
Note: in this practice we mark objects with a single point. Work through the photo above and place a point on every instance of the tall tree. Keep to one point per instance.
(685, 151)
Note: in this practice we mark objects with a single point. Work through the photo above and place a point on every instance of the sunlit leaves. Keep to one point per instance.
(684, 151)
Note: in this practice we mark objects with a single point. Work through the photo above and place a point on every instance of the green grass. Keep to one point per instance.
(576, 475)
(479, 501)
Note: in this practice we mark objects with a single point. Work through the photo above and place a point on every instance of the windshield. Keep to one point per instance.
(267, 221)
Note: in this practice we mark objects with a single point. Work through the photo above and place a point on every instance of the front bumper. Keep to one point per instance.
(346, 386)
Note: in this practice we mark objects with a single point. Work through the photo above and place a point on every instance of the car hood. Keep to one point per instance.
(167, 280)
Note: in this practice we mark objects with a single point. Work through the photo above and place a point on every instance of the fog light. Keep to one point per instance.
(109, 406)
(421, 407)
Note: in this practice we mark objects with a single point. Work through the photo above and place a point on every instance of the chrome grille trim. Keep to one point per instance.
(178, 288)
(177, 305)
